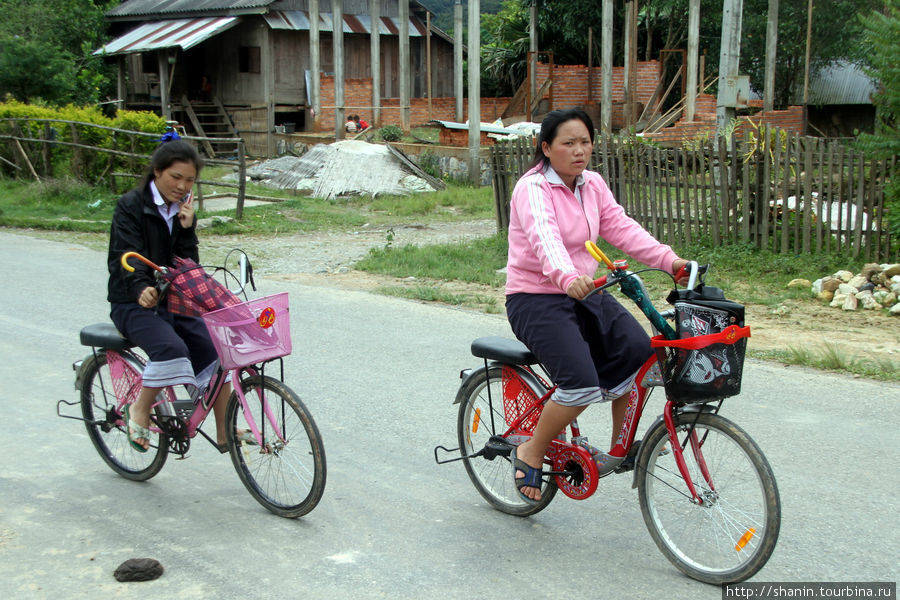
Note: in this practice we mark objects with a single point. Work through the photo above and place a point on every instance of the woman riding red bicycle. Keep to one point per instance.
(585, 346)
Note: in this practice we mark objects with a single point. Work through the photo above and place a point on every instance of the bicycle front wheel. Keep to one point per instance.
(731, 534)
(286, 474)
(107, 428)
(480, 417)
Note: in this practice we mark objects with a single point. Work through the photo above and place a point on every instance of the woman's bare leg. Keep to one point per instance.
(139, 412)
(554, 418)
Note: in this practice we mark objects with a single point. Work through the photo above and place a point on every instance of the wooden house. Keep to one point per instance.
(222, 67)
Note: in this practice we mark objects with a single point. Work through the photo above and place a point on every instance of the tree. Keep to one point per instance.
(46, 50)
(882, 63)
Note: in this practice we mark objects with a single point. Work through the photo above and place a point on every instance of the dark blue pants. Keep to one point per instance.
(582, 344)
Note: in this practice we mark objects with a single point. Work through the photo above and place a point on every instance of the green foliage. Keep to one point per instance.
(391, 133)
(882, 30)
(46, 51)
(64, 160)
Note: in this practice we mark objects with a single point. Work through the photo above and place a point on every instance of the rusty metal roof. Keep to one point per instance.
(180, 33)
(162, 8)
(298, 20)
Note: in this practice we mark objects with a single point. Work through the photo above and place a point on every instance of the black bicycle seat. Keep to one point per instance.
(104, 335)
(503, 350)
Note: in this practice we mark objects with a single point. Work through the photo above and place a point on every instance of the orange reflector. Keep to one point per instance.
(745, 539)
(476, 420)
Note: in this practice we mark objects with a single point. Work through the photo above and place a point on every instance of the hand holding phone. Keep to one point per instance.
(186, 212)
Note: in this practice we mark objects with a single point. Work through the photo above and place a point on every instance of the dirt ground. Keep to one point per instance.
(325, 258)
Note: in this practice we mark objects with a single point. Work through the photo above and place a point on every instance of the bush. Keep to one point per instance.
(391, 133)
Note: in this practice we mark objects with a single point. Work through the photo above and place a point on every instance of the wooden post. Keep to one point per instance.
(458, 58)
(48, 154)
(729, 59)
(403, 6)
(590, 65)
(809, 17)
(474, 92)
(375, 51)
(606, 58)
(692, 58)
(163, 63)
(268, 75)
(630, 10)
(771, 54)
(337, 43)
(315, 67)
(428, 59)
(532, 48)
(242, 181)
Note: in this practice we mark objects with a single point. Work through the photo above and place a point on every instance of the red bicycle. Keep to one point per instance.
(707, 493)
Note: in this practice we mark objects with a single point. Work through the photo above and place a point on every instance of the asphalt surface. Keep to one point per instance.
(379, 375)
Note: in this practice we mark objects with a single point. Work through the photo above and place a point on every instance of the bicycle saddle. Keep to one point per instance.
(503, 350)
(104, 335)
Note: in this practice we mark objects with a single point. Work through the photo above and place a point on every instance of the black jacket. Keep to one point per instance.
(138, 227)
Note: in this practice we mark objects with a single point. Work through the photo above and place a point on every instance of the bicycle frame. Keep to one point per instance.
(123, 372)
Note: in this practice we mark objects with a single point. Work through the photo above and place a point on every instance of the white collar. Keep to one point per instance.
(553, 177)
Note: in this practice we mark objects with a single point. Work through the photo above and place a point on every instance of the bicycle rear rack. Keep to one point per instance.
(495, 446)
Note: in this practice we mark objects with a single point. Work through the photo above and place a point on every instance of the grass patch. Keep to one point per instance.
(471, 262)
(428, 293)
(831, 358)
(69, 205)
(56, 204)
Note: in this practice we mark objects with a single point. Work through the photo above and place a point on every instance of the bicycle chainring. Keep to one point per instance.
(581, 482)
(175, 429)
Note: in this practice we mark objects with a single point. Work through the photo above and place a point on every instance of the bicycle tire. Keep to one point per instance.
(106, 427)
(492, 478)
(287, 477)
(705, 541)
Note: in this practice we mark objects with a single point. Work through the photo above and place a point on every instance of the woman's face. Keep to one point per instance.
(570, 150)
(175, 181)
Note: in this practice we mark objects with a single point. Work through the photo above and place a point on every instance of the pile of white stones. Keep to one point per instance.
(874, 287)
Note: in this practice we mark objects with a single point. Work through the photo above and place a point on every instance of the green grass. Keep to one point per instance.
(68, 205)
(830, 358)
(435, 293)
(470, 262)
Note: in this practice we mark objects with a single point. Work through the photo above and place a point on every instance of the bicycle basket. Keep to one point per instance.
(707, 361)
(251, 332)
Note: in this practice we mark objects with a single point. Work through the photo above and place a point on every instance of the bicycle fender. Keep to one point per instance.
(659, 422)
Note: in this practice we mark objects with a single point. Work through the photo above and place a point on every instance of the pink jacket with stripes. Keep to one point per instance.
(548, 227)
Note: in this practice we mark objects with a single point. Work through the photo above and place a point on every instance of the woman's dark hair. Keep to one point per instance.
(171, 152)
(550, 127)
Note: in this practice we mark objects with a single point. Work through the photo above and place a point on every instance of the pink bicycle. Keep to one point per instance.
(272, 438)
(707, 494)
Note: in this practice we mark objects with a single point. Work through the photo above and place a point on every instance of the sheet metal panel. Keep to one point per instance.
(180, 33)
(298, 20)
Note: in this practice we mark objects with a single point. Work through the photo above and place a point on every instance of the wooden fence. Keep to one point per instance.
(97, 153)
(776, 190)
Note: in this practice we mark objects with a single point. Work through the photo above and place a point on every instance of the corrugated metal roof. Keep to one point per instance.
(841, 83)
(298, 20)
(181, 33)
(137, 8)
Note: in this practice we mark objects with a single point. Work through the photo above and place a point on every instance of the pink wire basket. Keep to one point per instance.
(251, 332)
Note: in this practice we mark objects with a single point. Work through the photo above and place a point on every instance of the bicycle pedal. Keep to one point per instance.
(497, 446)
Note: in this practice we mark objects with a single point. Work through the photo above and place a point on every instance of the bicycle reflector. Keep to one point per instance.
(476, 420)
(745, 539)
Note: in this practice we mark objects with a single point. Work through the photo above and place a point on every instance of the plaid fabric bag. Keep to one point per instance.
(194, 292)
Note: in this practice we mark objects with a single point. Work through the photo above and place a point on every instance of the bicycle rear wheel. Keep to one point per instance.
(287, 475)
(478, 420)
(731, 535)
(107, 429)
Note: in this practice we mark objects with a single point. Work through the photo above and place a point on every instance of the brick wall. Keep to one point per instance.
(570, 83)
(358, 92)
(704, 123)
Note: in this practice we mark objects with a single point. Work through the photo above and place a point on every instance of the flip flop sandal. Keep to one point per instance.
(135, 432)
(532, 477)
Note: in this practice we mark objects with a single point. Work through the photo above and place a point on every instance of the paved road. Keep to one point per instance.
(379, 374)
